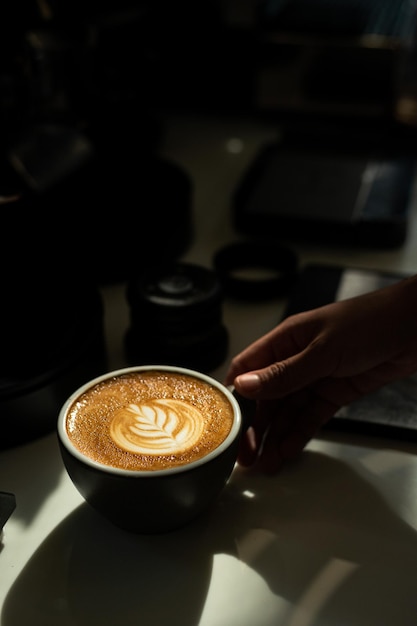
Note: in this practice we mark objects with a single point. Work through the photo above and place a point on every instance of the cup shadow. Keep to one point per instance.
(328, 548)
(42, 456)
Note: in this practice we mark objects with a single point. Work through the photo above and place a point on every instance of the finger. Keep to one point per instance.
(256, 356)
(248, 448)
(282, 378)
(301, 418)
(276, 345)
(252, 438)
(302, 415)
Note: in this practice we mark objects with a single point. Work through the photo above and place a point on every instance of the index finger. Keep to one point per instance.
(277, 345)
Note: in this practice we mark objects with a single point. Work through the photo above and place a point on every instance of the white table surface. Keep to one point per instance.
(330, 541)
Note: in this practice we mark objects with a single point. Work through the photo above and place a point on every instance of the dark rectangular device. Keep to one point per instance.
(318, 195)
(390, 411)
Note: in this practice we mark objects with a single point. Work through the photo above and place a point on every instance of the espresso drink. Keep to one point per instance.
(149, 420)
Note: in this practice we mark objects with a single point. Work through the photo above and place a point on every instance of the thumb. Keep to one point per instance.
(282, 377)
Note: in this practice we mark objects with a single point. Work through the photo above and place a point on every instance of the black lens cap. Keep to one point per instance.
(256, 270)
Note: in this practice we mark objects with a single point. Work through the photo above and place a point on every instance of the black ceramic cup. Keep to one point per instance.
(150, 447)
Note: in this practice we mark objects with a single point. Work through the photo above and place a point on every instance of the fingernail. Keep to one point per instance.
(249, 382)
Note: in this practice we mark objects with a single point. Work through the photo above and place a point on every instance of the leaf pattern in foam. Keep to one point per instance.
(164, 426)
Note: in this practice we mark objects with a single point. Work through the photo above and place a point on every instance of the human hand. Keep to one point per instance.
(315, 362)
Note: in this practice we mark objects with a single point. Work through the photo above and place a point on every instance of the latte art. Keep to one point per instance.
(160, 426)
(149, 420)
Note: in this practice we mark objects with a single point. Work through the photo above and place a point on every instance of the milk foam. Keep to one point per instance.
(158, 427)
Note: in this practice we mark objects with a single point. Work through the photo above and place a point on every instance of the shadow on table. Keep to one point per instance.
(32, 487)
(322, 539)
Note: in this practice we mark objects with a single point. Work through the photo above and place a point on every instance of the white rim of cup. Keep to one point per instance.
(234, 431)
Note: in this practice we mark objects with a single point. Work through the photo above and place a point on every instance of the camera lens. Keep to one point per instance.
(176, 317)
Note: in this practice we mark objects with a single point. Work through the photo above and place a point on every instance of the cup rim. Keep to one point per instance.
(117, 471)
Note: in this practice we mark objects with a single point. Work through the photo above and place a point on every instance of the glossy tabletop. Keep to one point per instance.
(330, 541)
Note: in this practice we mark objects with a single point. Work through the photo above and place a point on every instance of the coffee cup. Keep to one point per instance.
(150, 447)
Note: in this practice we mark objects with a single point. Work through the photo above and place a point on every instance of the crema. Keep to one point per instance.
(149, 420)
